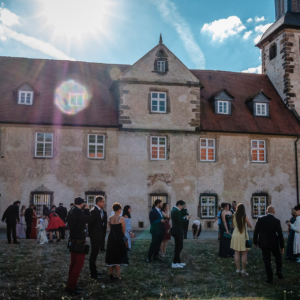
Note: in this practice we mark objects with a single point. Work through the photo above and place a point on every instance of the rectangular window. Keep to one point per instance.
(76, 99)
(223, 107)
(258, 151)
(259, 206)
(39, 200)
(261, 109)
(153, 197)
(96, 144)
(207, 149)
(208, 206)
(161, 66)
(25, 98)
(91, 200)
(158, 148)
(158, 102)
(44, 144)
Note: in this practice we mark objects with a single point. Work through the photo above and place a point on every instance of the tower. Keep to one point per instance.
(280, 53)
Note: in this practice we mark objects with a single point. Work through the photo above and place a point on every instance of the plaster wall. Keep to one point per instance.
(127, 174)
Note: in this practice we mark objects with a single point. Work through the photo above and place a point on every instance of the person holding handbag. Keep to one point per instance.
(239, 238)
(116, 243)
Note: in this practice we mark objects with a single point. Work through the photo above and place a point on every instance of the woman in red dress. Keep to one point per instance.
(166, 213)
(34, 221)
(55, 222)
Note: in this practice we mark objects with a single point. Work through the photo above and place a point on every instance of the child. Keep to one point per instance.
(42, 237)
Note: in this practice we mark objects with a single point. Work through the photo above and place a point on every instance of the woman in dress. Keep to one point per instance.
(21, 225)
(33, 234)
(55, 222)
(290, 242)
(296, 228)
(167, 237)
(128, 232)
(116, 247)
(225, 234)
(239, 237)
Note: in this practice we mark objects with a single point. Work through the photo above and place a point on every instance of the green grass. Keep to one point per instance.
(31, 271)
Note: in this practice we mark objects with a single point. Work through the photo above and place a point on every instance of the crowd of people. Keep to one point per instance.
(83, 222)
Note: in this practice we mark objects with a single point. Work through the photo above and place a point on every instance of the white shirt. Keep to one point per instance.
(296, 225)
(197, 222)
(159, 212)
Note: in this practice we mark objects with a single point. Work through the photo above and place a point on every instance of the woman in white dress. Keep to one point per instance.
(296, 228)
(128, 232)
(21, 225)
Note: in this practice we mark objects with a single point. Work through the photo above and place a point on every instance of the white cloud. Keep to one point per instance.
(257, 39)
(8, 18)
(170, 13)
(257, 19)
(223, 28)
(247, 35)
(253, 70)
(249, 20)
(261, 29)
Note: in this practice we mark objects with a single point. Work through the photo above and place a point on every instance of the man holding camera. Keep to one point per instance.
(77, 221)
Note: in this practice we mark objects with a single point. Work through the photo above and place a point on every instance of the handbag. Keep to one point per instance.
(248, 243)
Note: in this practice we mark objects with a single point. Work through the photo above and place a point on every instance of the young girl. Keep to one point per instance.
(42, 236)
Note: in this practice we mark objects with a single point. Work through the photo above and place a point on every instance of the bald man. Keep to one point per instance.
(268, 237)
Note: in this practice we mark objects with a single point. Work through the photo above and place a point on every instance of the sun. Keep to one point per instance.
(74, 18)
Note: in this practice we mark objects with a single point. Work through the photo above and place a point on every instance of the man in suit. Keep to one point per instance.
(28, 220)
(157, 230)
(268, 237)
(95, 232)
(11, 217)
(102, 244)
(186, 220)
(177, 233)
(62, 212)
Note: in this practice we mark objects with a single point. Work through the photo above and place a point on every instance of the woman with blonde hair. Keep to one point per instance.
(239, 237)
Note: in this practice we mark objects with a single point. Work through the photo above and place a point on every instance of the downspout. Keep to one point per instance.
(297, 175)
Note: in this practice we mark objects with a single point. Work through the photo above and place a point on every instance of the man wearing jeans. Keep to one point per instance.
(177, 233)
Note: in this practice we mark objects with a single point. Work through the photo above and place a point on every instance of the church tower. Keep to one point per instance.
(280, 52)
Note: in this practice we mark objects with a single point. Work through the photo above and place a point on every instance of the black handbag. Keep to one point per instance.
(248, 242)
(78, 246)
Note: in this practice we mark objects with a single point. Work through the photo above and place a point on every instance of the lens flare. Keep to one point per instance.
(71, 97)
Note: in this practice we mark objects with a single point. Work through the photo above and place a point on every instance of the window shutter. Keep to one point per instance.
(268, 202)
(229, 108)
(200, 208)
(252, 208)
(155, 65)
(168, 104)
(216, 206)
(267, 108)
(254, 109)
(167, 148)
(149, 102)
(216, 106)
(166, 66)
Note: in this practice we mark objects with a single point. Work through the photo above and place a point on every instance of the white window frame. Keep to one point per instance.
(92, 204)
(158, 146)
(257, 149)
(161, 66)
(26, 92)
(96, 144)
(76, 96)
(259, 205)
(44, 144)
(208, 205)
(227, 107)
(158, 102)
(261, 105)
(207, 147)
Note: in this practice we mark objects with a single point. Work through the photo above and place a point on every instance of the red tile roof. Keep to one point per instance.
(241, 86)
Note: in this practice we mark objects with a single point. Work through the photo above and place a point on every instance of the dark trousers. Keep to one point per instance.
(185, 226)
(62, 232)
(11, 230)
(266, 253)
(95, 247)
(102, 244)
(77, 262)
(157, 238)
(195, 229)
(178, 248)
(28, 230)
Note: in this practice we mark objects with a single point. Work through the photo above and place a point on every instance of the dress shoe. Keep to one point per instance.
(100, 273)
(280, 276)
(72, 292)
(96, 277)
(269, 281)
(16, 242)
(149, 260)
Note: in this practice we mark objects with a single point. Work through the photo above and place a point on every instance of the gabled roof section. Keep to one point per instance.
(259, 97)
(222, 94)
(25, 84)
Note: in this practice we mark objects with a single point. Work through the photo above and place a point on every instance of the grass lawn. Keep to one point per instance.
(31, 271)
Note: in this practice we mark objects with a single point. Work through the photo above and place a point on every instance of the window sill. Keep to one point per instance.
(259, 163)
(207, 161)
(90, 158)
(42, 157)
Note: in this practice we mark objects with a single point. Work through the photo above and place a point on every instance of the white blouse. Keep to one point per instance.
(296, 225)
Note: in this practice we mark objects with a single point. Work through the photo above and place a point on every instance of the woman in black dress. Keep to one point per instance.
(225, 232)
(116, 248)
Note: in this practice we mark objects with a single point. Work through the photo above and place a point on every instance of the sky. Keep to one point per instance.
(212, 35)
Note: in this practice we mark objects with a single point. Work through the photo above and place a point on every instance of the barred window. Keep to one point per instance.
(91, 198)
(153, 197)
(208, 206)
(259, 206)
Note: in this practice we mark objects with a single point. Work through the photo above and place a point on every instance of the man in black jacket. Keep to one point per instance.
(268, 237)
(95, 233)
(28, 220)
(62, 212)
(11, 217)
(77, 221)
(102, 243)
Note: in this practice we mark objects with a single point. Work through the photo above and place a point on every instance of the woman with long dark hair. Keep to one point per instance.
(239, 237)
(166, 214)
(225, 232)
(128, 231)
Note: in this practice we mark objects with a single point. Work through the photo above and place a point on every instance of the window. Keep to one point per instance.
(259, 206)
(25, 98)
(44, 144)
(158, 148)
(39, 200)
(208, 206)
(91, 200)
(223, 107)
(207, 150)
(158, 102)
(273, 51)
(153, 197)
(96, 145)
(76, 99)
(161, 66)
(261, 109)
(258, 151)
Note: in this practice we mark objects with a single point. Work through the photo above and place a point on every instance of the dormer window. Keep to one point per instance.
(223, 107)
(221, 101)
(25, 98)
(76, 99)
(161, 66)
(261, 109)
(259, 104)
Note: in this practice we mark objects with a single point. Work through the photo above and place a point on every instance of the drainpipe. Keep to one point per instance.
(297, 175)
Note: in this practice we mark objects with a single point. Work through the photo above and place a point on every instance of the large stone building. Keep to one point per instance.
(154, 129)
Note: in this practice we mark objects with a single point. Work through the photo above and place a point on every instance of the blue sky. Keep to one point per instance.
(214, 34)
